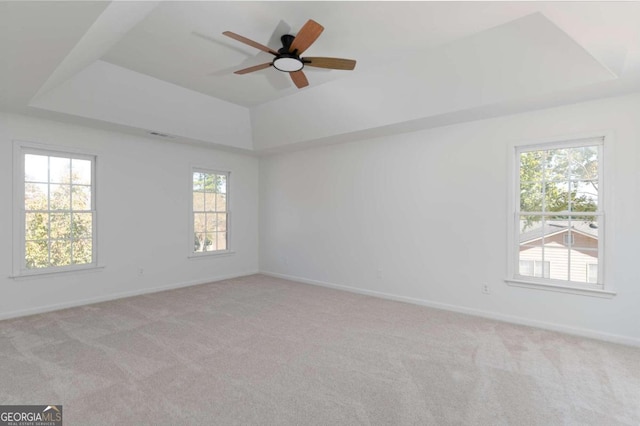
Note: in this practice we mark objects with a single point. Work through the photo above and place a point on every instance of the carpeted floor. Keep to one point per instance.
(260, 350)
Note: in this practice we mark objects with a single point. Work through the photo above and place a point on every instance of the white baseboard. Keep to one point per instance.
(583, 332)
(114, 296)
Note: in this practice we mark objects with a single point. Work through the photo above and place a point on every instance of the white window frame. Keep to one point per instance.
(604, 287)
(207, 254)
(20, 150)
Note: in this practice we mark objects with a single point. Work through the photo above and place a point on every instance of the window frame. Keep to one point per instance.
(20, 150)
(216, 253)
(604, 287)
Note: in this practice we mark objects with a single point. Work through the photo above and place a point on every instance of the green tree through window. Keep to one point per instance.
(210, 211)
(58, 211)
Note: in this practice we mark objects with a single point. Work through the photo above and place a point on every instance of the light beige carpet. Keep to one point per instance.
(260, 350)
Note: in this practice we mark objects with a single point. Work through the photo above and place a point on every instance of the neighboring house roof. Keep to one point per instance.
(553, 227)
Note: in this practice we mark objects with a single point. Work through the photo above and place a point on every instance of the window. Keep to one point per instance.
(568, 238)
(559, 219)
(535, 268)
(56, 211)
(210, 212)
(592, 272)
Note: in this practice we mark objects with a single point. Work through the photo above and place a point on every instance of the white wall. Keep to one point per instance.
(143, 201)
(423, 216)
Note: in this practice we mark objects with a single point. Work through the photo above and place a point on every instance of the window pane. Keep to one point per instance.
(584, 163)
(82, 251)
(59, 170)
(580, 259)
(36, 196)
(526, 266)
(531, 231)
(36, 226)
(556, 196)
(199, 222)
(586, 233)
(222, 240)
(82, 225)
(36, 168)
(221, 202)
(199, 240)
(531, 166)
(60, 252)
(557, 165)
(37, 254)
(211, 222)
(198, 201)
(81, 171)
(578, 271)
(210, 241)
(222, 184)
(210, 201)
(81, 197)
(541, 269)
(528, 257)
(60, 225)
(558, 258)
(584, 196)
(60, 197)
(222, 222)
(531, 196)
(198, 181)
(210, 182)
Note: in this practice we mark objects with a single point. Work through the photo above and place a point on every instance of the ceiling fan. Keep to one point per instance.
(288, 59)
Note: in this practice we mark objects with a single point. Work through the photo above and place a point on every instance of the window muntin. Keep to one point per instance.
(559, 217)
(210, 211)
(58, 211)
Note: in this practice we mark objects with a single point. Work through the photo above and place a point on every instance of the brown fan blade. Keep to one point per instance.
(299, 79)
(332, 63)
(306, 36)
(250, 42)
(253, 68)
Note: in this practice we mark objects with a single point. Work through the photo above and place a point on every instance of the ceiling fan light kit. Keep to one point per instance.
(287, 63)
(287, 58)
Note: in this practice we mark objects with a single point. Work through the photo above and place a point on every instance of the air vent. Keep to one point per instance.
(161, 135)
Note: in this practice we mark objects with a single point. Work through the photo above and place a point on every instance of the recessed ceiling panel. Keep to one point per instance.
(182, 42)
(528, 57)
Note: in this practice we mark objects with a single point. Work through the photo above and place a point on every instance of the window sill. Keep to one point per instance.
(583, 291)
(51, 273)
(210, 254)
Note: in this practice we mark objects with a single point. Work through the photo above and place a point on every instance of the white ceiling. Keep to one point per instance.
(182, 42)
(53, 50)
